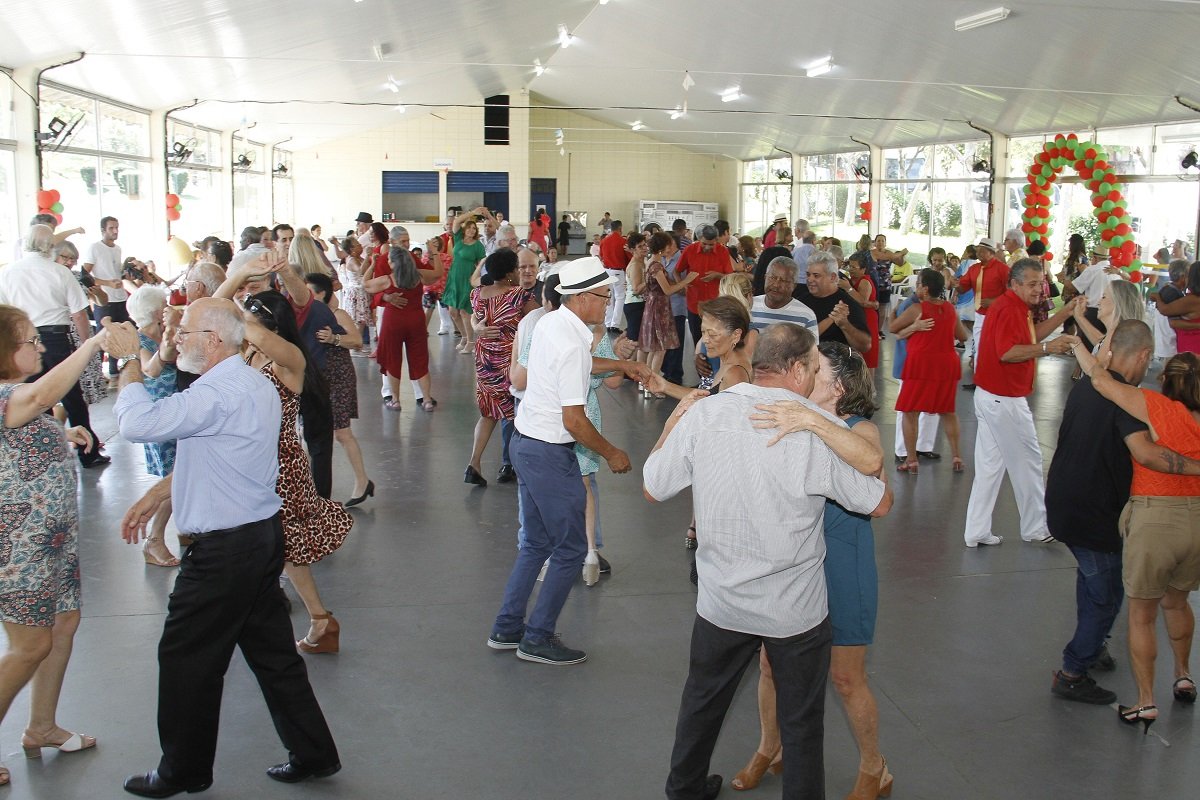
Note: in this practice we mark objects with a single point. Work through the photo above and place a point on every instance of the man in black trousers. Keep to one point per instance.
(227, 593)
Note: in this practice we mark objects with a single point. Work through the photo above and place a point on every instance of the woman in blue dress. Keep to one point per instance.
(146, 307)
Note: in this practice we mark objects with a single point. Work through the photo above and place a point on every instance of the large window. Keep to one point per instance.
(99, 161)
(766, 190)
(934, 195)
(251, 193)
(829, 191)
(10, 226)
(194, 173)
(281, 188)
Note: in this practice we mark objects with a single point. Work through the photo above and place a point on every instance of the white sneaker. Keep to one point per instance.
(991, 540)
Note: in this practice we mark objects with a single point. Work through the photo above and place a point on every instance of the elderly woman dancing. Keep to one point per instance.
(39, 579)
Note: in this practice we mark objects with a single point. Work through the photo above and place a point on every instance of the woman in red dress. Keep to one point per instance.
(539, 228)
(933, 366)
(399, 291)
(862, 288)
(498, 306)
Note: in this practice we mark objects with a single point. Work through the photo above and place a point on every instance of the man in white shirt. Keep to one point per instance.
(1090, 282)
(760, 562)
(103, 262)
(362, 230)
(806, 247)
(551, 418)
(50, 294)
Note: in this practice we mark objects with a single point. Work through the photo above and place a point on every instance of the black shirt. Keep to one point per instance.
(564, 232)
(764, 260)
(821, 306)
(1091, 471)
(1170, 293)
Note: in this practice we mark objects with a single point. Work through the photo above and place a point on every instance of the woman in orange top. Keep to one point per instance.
(1161, 526)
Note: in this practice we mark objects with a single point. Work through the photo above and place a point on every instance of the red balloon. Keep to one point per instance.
(1097, 201)
(1086, 174)
(54, 196)
(45, 198)
(1033, 179)
(57, 218)
(1107, 234)
(1080, 166)
(1043, 212)
(1135, 276)
(1072, 137)
(1123, 229)
(172, 200)
(172, 214)
(1043, 229)
(1048, 256)
(1128, 246)
(866, 215)
(1089, 153)
(1100, 164)
(1114, 195)
(1103, 216)
(1117, 212)
(1026, 227)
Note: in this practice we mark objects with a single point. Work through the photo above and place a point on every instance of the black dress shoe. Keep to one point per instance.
(154, 785)
(287, 772)
(712, 787)
(932, 456)
(506, 474)
(98, 461)
(370, 492)
(968, 387)
(471, 475)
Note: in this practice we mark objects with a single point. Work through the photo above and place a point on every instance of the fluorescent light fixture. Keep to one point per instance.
(562, 151)
(537, 67)
(982, 18)
(1182, 138)
(564, 36)
(401, 108)
(637, 125)
(603, 2)
(819, 67)
(677, 113)
(392, 85)
(731, 94)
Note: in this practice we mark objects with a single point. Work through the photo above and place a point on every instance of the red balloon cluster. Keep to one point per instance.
(864, 210)
(1088, 160)
(50, 202)
(174, 207)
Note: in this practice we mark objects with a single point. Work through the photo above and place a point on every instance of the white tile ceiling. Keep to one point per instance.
(311, 70)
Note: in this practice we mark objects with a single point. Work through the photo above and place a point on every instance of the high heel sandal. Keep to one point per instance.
(869, 787)
(910, 466)
(369, 492)
(1185, 693)
(750, 777)
(155, 561)
(1143, 714)
(327, 642)
(74, 743)
(959, 466)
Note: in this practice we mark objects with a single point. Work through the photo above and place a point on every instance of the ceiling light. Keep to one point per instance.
(983, 18)
(819, 67)
(677, 113)
(400, 107)
(637, 126)
(537, 67)
(564, 36)
(392, 85)
(603, 2)
(731, 94)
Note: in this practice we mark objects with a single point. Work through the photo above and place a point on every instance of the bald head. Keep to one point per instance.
(203, 280)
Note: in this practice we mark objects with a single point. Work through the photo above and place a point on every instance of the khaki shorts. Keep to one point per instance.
(1162, 545)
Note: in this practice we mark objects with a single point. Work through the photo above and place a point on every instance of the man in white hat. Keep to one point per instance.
(771, 237)
(988, 278)
(550, 420)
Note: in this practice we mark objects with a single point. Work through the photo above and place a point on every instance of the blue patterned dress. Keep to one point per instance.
(589, 460)
(160, 456)
(39, 521)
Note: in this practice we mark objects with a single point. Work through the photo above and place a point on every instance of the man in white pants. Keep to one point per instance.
(1005, 438)
(615, 257)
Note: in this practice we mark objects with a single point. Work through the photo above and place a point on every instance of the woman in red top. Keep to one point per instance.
(862, 288)
(933, 367)
(1160, 526)
(399, 291)
(436, 258)
(539, 226)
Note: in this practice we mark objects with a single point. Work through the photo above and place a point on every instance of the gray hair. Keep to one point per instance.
(504, 231)
(398, 231)
(781, 346)
(822, 257)
(786, 263)
(146, 305)
(227, 322)
(208, 273)
(1016, 273)
(404, 269)
(1130, 337)
(1015, 234)
(1177, 269)
(837, 253)
(39, 240)
(707, 232)
(1126, 299)
(65, 248)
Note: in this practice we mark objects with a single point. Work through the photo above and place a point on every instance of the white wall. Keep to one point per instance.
(611, 168)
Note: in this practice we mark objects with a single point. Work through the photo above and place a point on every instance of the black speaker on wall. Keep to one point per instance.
(495, 119)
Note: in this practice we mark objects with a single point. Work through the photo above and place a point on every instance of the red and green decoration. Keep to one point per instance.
(50, 202)
(174, 207)
(1091, 164)
(864, 211)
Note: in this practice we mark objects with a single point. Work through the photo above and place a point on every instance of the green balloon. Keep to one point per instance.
(1089, 163)
(1136, 264)
(1104, 188)
(179, 207)
(1116, 241)
(1034, 236)
(57, 208)
(1026, 189)
(1107, 205)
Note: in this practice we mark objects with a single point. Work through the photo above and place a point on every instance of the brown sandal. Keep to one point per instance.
(327, 642)
(750, 777)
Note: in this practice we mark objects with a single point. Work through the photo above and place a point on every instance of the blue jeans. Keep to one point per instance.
(506, 432)
(1098, 596)
(595, 514)
(672, 365)
(552, 518)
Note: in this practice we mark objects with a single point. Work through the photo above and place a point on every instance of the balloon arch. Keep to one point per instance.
(1091, 164)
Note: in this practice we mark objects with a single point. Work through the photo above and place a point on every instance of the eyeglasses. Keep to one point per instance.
(604, 296)
(259, 308)
(181, 334)
(36, 341)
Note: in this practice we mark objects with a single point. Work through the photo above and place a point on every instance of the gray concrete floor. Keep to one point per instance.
(961, 665)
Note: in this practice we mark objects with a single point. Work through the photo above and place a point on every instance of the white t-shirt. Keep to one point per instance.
(795, 311)
(1091, 282)
(106, 264)
(48, 292)
(560, 368)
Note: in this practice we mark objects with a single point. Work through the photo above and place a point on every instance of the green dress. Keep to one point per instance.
(458, 282)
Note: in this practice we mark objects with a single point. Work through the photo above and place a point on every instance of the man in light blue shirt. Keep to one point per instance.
(227, 592)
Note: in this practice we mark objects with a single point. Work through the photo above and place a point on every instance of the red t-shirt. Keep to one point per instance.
(1009, 323)
(694, 259)
(612, 251)
(1177, 429)
(995, 282)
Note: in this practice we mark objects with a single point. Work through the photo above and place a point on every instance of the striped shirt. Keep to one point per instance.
(761, 316)
(760, 566)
